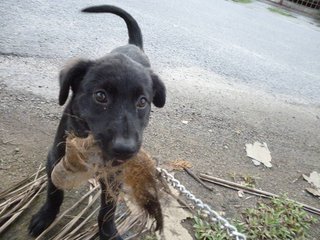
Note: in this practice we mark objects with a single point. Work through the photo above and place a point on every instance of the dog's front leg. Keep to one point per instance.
(48, 212)
(106, 218)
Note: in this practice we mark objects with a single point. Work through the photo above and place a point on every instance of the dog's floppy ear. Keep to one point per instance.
(71, 76)
(159, 91)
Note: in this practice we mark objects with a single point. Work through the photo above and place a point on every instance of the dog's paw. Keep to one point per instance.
(40, 221)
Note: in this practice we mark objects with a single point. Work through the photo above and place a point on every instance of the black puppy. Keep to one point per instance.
(111, 98)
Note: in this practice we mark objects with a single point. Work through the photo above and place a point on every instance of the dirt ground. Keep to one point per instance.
(221, 117)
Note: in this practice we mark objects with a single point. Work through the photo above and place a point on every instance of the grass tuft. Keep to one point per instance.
(242, 1)
(280, 11)
(279, 219)
(205, 231)
(150, 237)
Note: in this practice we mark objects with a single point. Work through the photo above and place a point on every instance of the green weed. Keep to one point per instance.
(205, 231)
(249, 181)
(280, 11)
(150, 237)
(242, 1)
(279, 219)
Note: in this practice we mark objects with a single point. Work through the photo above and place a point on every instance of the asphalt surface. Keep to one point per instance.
(245, 44)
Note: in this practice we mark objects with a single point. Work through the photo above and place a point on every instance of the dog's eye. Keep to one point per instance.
(101, 96)
(142, 102)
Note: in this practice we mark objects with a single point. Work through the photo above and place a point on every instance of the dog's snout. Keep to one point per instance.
(124, 148)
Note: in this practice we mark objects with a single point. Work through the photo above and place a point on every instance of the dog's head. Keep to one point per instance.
(112, 98)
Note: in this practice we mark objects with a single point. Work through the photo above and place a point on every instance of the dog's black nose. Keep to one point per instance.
(124, 148)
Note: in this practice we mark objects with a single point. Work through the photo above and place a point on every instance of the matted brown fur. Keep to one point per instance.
(139, 173)
(83, 160)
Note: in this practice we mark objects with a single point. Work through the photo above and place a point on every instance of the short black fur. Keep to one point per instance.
(111, 98)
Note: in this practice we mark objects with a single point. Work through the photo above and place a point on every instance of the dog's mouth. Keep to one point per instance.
(117, 154)
(119, 159)
(117, 162)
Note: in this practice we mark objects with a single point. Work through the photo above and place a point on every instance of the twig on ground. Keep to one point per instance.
(198, 179)
(19, 197)
(253, 191)
(18, 200)
(297, 179)
(24, 207)
(8, 141)
(69, 226)
(20, 185)
(66, 212)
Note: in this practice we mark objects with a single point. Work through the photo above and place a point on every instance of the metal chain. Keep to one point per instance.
(205, 208)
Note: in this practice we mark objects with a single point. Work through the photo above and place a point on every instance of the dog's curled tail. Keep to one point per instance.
(135, 36)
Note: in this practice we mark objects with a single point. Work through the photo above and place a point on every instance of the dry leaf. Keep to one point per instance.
(315, 192)
(255, 162)
(237, 132)
(180, 164)
(240, 193)
(222, 213)
(259, 153)
(314, 180)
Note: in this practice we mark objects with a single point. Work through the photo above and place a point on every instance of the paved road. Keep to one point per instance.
(244, 43)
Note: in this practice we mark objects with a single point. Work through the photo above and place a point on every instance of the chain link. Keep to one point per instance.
(205, 208)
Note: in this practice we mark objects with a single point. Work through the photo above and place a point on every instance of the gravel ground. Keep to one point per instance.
(221, 120)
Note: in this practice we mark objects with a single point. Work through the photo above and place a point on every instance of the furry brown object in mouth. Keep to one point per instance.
(83, 160)
(140, 174)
